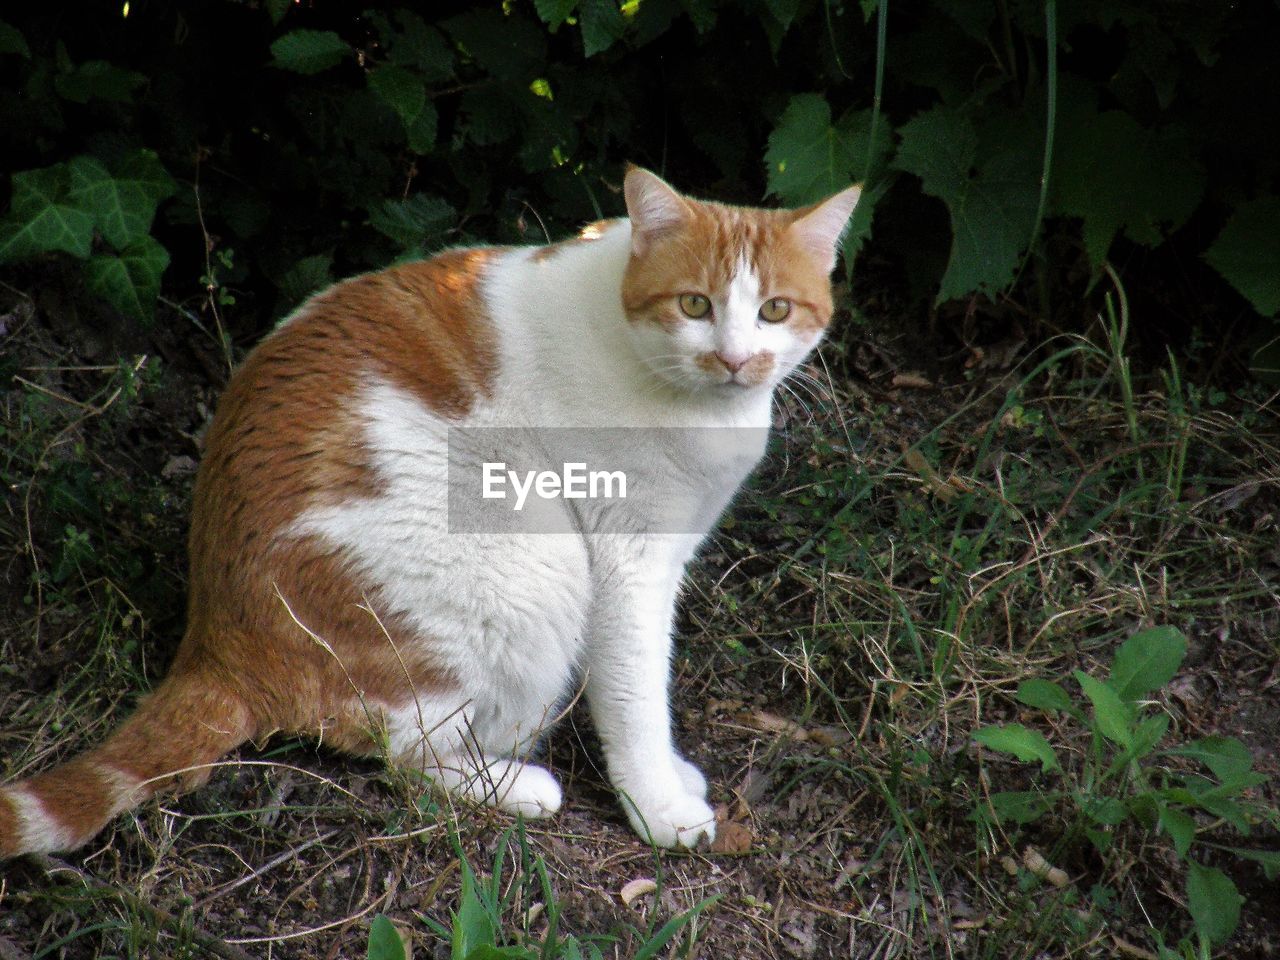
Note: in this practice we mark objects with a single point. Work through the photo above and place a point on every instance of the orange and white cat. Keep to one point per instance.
(331, 593)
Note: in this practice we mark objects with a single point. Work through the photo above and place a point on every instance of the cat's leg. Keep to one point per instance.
(628, 664)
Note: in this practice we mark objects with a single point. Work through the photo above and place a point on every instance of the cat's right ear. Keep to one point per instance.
(653, 206)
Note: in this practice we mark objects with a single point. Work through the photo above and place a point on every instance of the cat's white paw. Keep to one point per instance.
(683, 820)
(691, 777)
(529, 790)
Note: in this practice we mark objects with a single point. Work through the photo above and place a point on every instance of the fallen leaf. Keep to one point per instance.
(732, 837)
(830, 736)
(911, 381)
(637, 888)
(772, 723)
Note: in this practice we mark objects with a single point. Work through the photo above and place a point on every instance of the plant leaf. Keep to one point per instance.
(42, 217)
(1180, 827)
(405, 93)
(650, 947)
(988, 190)
(809, 158)
(1226, 757)
(554, 12)
(1019, 806)
(1247, 251)
(276, 9)
(1043, 695)
(1214, 902)
(384, 940)
(12, 41)
(1147, 661)
(130, 282)
(1113, 717)
(309, 51)
(1122, 178)
(1023, 743)
(602, 25)
(98, 80)
(123, 202)
(411, 222)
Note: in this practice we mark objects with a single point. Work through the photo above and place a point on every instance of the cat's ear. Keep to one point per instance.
(653, 206)
(820, 227)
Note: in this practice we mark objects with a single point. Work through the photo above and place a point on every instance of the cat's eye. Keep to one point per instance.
(694, 305)
(775, 310)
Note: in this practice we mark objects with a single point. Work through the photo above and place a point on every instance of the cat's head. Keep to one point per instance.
(727, 298)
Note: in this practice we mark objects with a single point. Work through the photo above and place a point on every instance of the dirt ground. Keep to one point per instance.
(291, 850)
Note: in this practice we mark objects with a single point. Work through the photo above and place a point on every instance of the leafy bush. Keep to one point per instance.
(331, 143)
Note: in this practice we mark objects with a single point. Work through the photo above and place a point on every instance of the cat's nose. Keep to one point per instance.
(733, 361)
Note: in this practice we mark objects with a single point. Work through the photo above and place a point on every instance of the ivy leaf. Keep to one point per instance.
(1247, 252)
(554, 12)
(404, 92)
(1023, 743)
(410, 222)
(602, 25)
(309, 51)
(97, 80)
(987, 186)
(1147, 661)
(1214, 902)
(1122, 178)
(130, 282)
(123, 202)
(12, 41)
(1114, 717)
(384, 940)
(42, 217)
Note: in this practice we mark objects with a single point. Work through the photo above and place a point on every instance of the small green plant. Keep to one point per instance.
(1126, 777)
(478, 929)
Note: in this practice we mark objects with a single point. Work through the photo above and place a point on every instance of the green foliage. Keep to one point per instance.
(309, 51)
(1247, 251)
(384, 941)
(364, 138)
(1127, 778)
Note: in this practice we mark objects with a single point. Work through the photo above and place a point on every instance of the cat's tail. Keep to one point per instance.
(169, 742)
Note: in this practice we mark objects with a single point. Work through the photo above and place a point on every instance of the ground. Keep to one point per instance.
(929, 533)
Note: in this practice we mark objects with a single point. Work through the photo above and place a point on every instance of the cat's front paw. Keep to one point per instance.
(683, 820)
(692, 778)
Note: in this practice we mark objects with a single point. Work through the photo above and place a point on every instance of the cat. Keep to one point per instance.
(332, 596)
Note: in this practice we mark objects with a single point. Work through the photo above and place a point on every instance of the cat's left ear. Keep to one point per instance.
(820, 227)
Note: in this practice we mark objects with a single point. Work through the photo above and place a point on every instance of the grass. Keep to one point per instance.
(906, 560)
